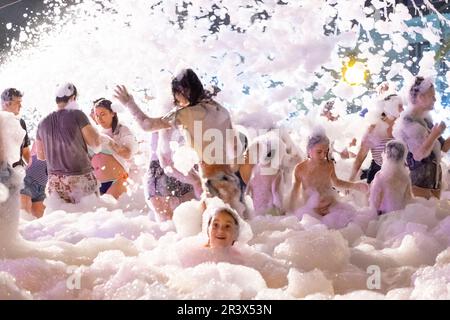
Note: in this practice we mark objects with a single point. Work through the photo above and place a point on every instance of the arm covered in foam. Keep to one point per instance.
(420, 142)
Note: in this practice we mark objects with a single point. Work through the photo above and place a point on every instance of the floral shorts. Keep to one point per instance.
(72, 188)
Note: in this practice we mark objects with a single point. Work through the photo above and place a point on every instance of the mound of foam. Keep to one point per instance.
(307, 250)
(304, 284)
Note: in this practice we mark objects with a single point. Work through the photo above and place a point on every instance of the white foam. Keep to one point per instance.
(118, 253)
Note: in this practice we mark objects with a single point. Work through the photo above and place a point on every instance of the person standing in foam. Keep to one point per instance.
(264, 185)
(317, 176)
(391, 187)
(386, 112)
(423, 139)
(112, 164)
(11, 99)
(166, 187)
(62, 139)
(11, 136)
(32, 195)
(197, 112)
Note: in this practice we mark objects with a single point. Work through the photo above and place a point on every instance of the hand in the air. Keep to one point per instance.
(121, 94)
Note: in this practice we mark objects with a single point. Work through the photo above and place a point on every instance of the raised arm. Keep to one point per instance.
(145, 122)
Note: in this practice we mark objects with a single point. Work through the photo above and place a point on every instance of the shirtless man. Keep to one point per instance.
(197, 115)
(317, 175)
(391, 188)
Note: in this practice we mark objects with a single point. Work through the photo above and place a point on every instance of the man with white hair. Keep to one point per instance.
(11, 99)
(62, 139)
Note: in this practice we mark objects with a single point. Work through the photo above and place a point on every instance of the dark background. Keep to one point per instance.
(12, 11)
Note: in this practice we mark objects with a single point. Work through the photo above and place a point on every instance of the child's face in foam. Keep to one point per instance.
(222, 230)
(428, 98)
(319, 151)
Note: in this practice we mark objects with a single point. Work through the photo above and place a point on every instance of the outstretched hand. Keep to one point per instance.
(121, 94)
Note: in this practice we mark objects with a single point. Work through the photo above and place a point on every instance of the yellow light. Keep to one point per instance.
(354, 73)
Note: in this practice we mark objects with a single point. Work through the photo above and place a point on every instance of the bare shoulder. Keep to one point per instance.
(329, 164)
(198, 111)
(300, 167)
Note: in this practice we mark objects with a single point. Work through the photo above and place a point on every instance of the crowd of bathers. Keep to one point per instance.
(75, 155)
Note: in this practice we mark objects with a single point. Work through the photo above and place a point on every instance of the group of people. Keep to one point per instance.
(73, 157)
(70, 158)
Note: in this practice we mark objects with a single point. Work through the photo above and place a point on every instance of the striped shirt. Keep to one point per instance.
(377, 151)
(37, 171)
(376, 139)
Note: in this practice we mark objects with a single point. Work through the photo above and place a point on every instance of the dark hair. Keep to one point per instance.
(389, 97)
(230, 213)
(66, 99)
(106, 104)
(415, 88)
(189, 85)
(9, 93)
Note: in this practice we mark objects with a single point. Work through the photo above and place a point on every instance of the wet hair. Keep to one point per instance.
(227, 210)
(70, 88)
(317, 139)
(419, 86)
(9, 94)
(107, 104)
(395, 150)
(189, 85)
